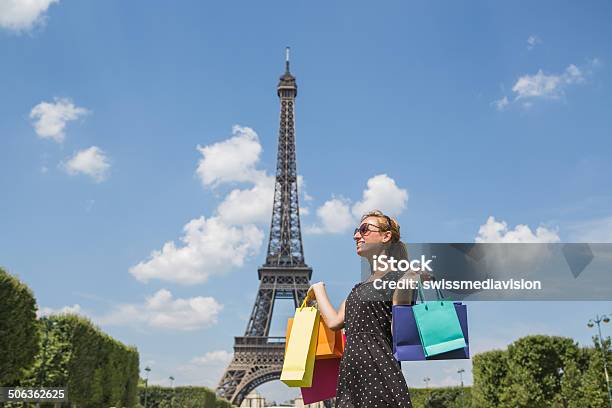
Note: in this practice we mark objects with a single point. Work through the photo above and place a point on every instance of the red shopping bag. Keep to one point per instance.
(324, 381)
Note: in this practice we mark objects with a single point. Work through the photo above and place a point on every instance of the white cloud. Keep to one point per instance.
(210, 246)
(214, 357)
(546, 86)
(219, 243)
(50, 118)
(510, 261)
(537, 85)
(382, 194)
(334, 216)
(47, 311)
(501, 103)
(497, 231)
(550, 86)
(205, 369)
(162, 311)
(337, 215)
(532, 41)
(573, 75)
(235, 160)
(232, 160)
(206, 375)
(91, 162)
(23, 15)
(251, 205)
(305, 197)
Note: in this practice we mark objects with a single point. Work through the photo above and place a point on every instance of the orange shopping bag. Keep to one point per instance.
(330, 343)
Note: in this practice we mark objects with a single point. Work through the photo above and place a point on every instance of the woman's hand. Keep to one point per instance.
(427, 277)
(314, 290)
(333, 319)
(317, 286)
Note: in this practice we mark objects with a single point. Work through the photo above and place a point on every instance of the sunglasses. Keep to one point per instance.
(364, 229)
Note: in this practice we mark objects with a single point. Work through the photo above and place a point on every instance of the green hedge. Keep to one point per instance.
(541, 372)
(202, 397)
(99, 371)
(442, 397)
(19, 334)
(181, 397)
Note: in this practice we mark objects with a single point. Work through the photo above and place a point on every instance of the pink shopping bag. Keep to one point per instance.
(324, 381)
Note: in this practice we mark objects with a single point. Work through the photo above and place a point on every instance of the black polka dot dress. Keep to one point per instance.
(370, 377)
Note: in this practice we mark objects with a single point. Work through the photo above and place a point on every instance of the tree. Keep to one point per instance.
(19, 333)
(593, 380)
(449, 397)
(535, 367)
(571, 394)
(489, 370)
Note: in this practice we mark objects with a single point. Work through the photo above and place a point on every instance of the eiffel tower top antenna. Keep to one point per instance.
(285, 245)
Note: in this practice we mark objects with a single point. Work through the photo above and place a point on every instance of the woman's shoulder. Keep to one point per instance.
(393, 275)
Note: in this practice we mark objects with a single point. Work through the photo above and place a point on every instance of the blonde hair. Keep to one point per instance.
(386, 223)
(394, 247)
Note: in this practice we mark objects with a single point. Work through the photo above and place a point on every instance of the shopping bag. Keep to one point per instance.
(407, 341)
(324, 381)
(325, 374)
(438, 325)
(407, 344)
(330, 343)
(460, 353)
(298, 364)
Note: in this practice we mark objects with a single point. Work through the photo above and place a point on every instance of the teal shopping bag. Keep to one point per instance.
(438, 325)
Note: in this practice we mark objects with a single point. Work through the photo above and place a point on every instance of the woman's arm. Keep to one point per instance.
(406, 296)
(333, 319)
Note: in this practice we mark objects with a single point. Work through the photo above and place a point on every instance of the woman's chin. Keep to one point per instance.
(362, 253)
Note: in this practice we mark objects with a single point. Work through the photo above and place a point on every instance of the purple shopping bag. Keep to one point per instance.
(407, 342)
(324, 381)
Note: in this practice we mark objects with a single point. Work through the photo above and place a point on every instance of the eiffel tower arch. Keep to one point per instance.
(258, 358)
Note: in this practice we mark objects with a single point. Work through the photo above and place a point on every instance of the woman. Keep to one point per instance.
(370, 377)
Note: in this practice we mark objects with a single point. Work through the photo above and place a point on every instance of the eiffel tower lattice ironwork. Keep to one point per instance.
(258, 358)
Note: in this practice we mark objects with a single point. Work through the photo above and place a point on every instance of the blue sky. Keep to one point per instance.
(466, 110)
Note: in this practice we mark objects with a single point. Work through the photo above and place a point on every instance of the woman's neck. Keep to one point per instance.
(374, 274)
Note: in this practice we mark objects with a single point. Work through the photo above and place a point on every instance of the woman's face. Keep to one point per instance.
(367, 242)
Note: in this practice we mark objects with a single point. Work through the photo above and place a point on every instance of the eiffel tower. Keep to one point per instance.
(258, 358)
